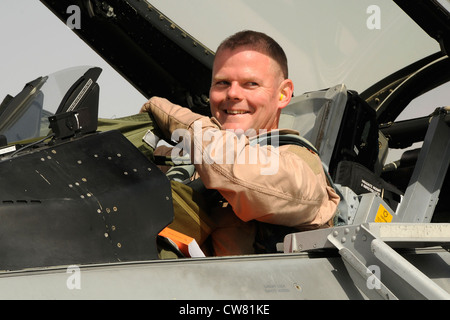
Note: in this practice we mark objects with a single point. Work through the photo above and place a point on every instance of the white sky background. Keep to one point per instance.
(343, 49)
(326, 41)
(34, 42)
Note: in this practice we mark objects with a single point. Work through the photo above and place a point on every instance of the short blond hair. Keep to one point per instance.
(260, 42)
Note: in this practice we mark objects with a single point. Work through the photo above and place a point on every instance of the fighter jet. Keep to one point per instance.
(83, 201)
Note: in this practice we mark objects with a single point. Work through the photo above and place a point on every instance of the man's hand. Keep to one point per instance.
(145, 108)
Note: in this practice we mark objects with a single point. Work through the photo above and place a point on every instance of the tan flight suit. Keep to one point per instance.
(294, 194)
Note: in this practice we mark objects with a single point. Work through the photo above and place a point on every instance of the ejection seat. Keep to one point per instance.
(343, 129)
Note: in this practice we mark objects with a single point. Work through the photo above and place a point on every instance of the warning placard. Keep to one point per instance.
(383, 215)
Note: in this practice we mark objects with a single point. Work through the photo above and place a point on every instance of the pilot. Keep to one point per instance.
(281, 186)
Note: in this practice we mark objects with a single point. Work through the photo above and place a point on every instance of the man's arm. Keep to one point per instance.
(284, 185)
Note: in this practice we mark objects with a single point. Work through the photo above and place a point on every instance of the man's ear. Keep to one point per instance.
(286, 91)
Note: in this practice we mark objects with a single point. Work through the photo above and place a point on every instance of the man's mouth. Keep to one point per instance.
(235, 111)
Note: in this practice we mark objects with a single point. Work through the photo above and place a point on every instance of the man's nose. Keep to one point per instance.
(235, 92)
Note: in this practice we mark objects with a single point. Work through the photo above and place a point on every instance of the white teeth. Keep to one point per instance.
(235, 111)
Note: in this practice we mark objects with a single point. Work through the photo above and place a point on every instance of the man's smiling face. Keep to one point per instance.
(245, 90)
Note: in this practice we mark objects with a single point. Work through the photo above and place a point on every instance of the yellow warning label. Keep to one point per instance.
(383, 215)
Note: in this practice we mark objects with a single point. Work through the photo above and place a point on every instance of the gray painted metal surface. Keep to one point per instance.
(279, 276)
(425, 185)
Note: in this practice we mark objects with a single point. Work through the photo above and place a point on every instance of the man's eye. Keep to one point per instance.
(252, 84)
(222, 83)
